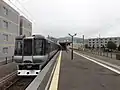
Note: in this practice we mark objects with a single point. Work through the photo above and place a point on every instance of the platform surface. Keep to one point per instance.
(83, 74)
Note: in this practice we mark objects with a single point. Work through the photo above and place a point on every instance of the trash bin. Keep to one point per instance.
(118, 56)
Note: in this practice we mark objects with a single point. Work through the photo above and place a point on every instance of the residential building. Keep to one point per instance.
(25, 26)
(100, 42)
(9, 29)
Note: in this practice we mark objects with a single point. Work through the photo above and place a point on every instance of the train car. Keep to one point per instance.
(33, 53)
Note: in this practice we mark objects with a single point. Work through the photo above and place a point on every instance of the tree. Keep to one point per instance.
(111, 45)
(103, 47)
(119, 48)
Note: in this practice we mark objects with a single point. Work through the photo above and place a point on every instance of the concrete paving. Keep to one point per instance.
(82, 74)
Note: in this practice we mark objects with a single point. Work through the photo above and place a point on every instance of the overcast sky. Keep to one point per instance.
(89, 17)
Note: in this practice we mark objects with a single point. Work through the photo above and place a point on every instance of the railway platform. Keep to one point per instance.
(82, 73)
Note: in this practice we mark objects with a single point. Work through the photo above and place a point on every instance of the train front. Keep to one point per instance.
(29, 56)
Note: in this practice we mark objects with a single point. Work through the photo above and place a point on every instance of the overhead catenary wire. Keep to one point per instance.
(26, 10)
(26, 16)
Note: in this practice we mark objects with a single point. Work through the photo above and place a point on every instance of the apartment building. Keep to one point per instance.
(99, 42)
(9, 29)
(25, 26)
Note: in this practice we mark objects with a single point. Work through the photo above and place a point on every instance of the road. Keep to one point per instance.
(83, 74)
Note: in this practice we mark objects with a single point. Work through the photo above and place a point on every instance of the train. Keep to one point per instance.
(33, 53)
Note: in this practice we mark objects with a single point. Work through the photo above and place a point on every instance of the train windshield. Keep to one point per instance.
(18, 47)
(27, 47)
(39, 47)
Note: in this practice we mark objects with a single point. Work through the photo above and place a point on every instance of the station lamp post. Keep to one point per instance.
(72, 45)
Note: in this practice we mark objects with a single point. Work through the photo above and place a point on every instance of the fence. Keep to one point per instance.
(5, 60)
(114, 55)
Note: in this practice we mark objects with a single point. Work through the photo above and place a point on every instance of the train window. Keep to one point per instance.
(28, 47)
(47, 47)
(18, 47)
(39, 49)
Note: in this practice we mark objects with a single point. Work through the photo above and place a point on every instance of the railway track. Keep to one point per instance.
(13, 82)
(5, 80)
(20, 84)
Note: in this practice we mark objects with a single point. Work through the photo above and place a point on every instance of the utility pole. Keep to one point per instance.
(83, 43)
(99, 44)
(72, 45)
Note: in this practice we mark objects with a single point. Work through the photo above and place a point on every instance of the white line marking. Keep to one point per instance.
(110, 64)
(54, 82)
(108, 67)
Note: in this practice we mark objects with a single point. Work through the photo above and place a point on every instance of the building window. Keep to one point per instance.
(5, 24)
(89, 39)
(105, 38)
(5, 10)
(5, 50)
(5, 37)
(29, 25)
(110, 39)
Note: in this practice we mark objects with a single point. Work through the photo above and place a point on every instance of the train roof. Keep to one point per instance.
(33, 36)
(38, 36)
(28, 37)
(20, 37)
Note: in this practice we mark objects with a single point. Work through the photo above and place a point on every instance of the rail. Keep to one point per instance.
(7, 79)
(19, 83)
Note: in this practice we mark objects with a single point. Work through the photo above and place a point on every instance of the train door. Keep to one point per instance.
(18, 51)
(18, 48)
(28, 50)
